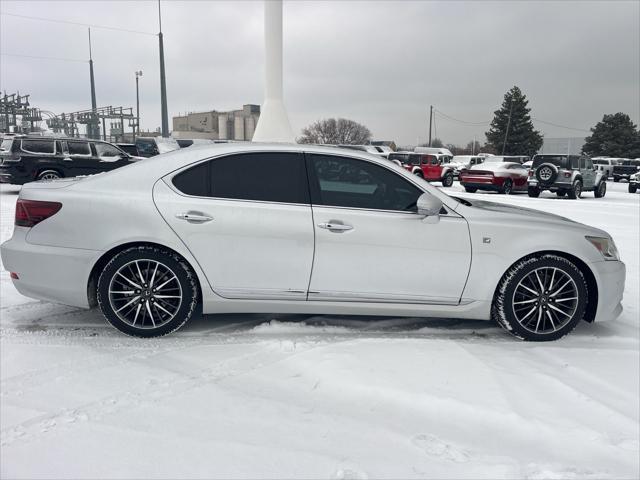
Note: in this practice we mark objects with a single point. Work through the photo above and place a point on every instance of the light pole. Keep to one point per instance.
(163, 80)
(137, 129)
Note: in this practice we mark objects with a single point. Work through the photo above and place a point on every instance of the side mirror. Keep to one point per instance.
(429, 205)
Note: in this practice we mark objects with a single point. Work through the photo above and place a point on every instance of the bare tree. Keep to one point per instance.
(336, 131)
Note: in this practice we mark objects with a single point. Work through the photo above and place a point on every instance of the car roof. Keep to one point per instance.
(148, 171)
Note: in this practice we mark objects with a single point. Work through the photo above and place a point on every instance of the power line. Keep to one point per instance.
(560, 126)
(42, 58)
(448, 117)
(78, 24)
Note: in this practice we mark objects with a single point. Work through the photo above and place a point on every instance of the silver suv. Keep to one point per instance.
(566, 175)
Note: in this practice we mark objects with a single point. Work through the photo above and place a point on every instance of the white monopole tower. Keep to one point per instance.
(273, 125)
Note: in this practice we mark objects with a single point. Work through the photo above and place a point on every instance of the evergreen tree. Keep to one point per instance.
(614, 136)
(522, 138)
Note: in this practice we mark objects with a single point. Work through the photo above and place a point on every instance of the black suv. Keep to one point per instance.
(26, 159)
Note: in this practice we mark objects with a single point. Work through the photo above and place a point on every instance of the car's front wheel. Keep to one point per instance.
(541, 298)
(601, 190)
(632, 188)
(471, 189)
(147, 291)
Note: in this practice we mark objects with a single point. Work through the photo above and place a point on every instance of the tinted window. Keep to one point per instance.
(146, 147)
(37, 146)
(271, 177)
(78, 148)
(347, 182)
(106, 150)
(194, 181)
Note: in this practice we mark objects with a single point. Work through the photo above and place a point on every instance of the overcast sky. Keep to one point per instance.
(379, 63)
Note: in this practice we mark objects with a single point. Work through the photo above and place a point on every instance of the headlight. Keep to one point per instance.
(605, 246)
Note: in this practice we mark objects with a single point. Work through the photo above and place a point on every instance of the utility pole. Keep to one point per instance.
(93, 130)
(430, 121)
(506, 134)
(138, 75)
(163, 81)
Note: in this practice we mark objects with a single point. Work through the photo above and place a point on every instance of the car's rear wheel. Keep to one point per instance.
(601, 190)
(576, 190)
(447, 180)
(541, 298)
(49, 175)
(419, 173)
(561, 193)
(147, 291)
(616, 179)
(471, 189)
(632, 188)
(507, 187)
(533, 192)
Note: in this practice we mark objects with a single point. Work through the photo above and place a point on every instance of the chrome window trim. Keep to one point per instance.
(168, 180)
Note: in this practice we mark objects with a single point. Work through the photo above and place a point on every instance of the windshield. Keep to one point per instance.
(402, 157)
(166, 144)
(629, 162)
(558, 160)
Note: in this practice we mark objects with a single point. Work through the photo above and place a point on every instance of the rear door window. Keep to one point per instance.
(38, 146)
(269, 177)
(78, 148)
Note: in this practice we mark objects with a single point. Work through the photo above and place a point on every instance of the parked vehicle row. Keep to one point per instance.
(311, 230)
(26, 159)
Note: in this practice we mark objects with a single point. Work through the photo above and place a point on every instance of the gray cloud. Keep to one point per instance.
(380, 63)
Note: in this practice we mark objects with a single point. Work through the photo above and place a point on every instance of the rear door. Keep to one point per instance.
(79, 158)
(247, 220)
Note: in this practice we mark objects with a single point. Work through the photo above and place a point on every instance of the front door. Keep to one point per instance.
(247, 220)
(372, 246)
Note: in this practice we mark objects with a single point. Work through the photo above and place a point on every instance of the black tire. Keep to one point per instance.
(162, 263)
(561, 193)
(616, 179)
(418, 173)
(601, 190)
(49, 175)
(533, 192)
(507, 187)
(544, 308)
(471, 189)
(632, 188)
(546, 173)
(576, 190)
(447, 180)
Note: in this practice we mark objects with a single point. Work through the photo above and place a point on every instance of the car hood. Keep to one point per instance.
(536, 218)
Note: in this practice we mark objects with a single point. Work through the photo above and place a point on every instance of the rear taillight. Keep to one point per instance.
(567, 174)
(531, 173)
(32, 212)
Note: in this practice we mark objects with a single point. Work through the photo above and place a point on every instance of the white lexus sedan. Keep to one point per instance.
(302, 229)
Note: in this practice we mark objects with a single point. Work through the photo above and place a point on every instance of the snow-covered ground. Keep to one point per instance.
(267, 396)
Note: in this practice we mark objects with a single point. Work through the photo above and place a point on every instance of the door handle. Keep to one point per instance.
(194, 217)
(335, 227)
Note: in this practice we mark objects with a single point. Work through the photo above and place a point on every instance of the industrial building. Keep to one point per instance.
(569, 145)
(214, 125)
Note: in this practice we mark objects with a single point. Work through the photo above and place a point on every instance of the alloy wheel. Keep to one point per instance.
(545, 300)
(145, 293)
